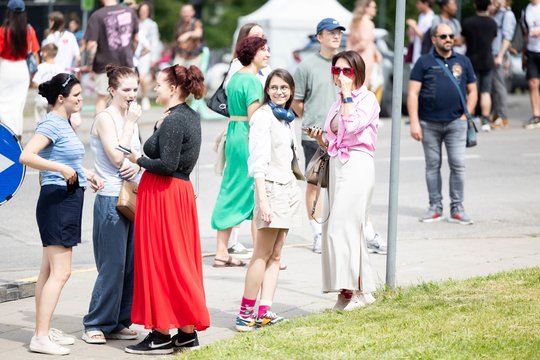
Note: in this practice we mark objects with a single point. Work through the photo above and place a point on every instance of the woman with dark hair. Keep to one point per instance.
(350, 137)
(57, 152)
(109, 313)
(17, 39)
(69, 54)
(168, 284)
(277, 197)
(235, 200)
(247, 30)
(236, 248)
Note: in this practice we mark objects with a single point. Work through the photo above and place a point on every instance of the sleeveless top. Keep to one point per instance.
(104, 168)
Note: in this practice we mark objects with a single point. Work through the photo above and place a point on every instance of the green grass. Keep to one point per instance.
(493, 317)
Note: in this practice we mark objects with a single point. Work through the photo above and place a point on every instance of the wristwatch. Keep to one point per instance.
(347, 99)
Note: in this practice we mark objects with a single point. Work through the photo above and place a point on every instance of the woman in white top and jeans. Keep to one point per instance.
(114, 129)
(277, 197)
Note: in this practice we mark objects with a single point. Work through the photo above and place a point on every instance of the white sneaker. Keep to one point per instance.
(44, 345)
(356, 302)
(61, 338)
(145, 104)
(376, 245)
(368, 298)
(240, 251)
(317, 239)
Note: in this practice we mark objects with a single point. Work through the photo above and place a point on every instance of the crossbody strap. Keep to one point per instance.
(454, 81)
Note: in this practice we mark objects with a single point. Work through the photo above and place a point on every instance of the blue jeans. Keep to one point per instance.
(453, 134)
(110, 307)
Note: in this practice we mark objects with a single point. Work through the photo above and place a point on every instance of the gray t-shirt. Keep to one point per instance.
(314, 86)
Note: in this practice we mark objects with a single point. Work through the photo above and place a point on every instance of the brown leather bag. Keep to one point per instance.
(127, 199)
(317, 169)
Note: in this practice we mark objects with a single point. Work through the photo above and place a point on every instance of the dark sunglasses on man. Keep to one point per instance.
(444, 36)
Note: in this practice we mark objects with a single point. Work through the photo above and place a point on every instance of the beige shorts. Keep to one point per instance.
(101, 82)
(284, 201)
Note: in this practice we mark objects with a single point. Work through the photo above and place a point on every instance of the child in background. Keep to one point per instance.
(45, 72)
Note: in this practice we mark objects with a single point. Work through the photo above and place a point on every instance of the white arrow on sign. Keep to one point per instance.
(5, 163)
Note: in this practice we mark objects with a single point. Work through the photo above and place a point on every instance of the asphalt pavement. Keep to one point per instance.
(502, 197)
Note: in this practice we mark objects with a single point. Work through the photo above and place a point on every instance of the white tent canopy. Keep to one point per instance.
(288, 23)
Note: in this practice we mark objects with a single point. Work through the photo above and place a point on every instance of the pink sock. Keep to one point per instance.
(346, 293)
(247, 307)
(262, 310)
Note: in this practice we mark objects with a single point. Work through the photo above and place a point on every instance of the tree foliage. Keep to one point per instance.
(220, 17)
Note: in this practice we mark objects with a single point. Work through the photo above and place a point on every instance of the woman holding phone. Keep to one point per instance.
(57, 152)
(109, 313)
(350, 137)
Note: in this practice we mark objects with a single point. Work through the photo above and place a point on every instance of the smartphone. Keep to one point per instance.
(72, 187)
(306, 130)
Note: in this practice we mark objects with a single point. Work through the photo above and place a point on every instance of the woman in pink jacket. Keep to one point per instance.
(350, 137)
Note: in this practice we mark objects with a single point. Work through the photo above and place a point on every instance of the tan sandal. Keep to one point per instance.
(124, 334)
(94, 337)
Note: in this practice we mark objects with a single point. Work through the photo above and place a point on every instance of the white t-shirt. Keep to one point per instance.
(532, 17)
(424, 24)
(45, 72)
(68, 49)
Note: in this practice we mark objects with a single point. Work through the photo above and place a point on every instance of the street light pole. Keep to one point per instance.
(395, 144)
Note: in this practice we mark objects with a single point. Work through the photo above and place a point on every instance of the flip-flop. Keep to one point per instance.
(94, 337)
(228, 263)
(124, 334)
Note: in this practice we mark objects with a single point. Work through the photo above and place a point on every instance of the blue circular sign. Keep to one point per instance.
(11, 171)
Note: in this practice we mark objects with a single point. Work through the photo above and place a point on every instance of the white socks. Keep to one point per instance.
(369, 232)
(233, 239)
(315, 226)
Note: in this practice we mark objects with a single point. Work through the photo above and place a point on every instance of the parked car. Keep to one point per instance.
(382, 43)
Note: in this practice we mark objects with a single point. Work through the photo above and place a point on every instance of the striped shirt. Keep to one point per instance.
(65, 148)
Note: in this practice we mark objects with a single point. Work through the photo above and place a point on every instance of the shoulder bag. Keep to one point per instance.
(471, 126)
(127, 199)
(218, 101)
(318, 173)
(30, 58)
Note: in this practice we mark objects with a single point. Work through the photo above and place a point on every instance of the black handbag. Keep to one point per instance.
(218, 101)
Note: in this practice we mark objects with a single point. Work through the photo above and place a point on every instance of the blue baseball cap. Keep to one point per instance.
(329, 24)
(16, 5)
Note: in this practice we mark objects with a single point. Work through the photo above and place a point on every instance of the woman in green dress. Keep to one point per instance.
(235, 201)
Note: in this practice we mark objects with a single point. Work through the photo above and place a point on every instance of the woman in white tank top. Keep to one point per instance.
(115, 145)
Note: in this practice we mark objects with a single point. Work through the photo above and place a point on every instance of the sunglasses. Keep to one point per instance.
(444, 36)
(347, 71)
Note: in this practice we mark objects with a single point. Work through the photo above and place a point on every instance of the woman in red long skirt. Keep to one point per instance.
(168, 282)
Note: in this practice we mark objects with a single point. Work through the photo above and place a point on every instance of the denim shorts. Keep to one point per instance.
(59, 215)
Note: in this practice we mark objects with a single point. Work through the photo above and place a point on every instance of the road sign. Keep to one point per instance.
(11, 171)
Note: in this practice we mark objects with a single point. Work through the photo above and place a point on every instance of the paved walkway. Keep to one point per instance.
(298, 291)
